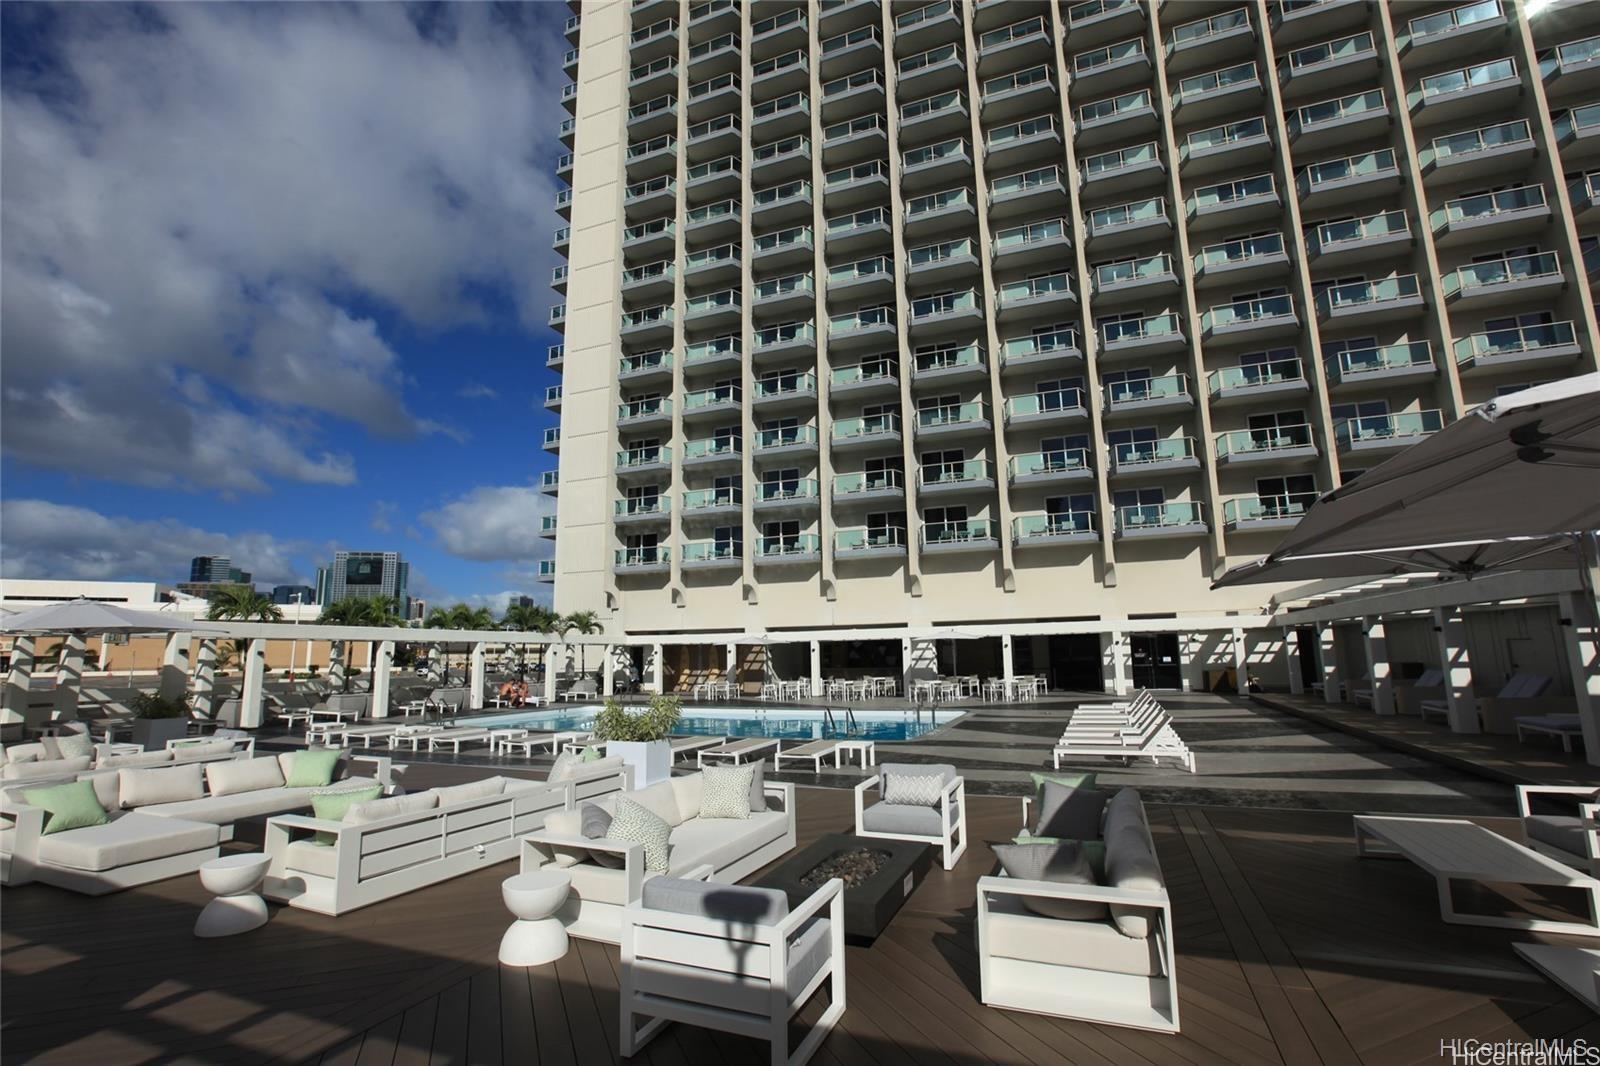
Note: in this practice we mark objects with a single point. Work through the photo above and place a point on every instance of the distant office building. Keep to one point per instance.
(369, 575)
(324, 585)
(216, 570)
(286, 594)
(419, 610)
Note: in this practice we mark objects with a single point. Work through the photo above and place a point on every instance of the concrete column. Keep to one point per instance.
(1008, 667)
(1113, 663)
(552, 667)
(1377, 646)
(69, 677)
(905, 667)
(730, 661)
(382, 665)
(336, 657)
(816, 668)
(175, 666)
(254, 665)
(103, 656)
(1580, 631)
(205, 676)
(1291, 659)
(21, 679)
(608, 676)
(477, 677)
(1241, 663)
(658, 669)
(1450, 630)
(1328, 654)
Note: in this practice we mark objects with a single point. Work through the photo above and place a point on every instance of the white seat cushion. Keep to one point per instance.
(309, 857)
(720, 842)
(1014, 932)
(127, 839)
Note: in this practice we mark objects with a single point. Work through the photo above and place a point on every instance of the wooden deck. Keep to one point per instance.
(1290, 950)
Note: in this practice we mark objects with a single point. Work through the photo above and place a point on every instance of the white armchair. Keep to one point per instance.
(731, 958)
(1572, 838)
(944, 824)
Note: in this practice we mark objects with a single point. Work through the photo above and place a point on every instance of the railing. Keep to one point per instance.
(705, 499)
(784, 333)
(1142, 452)
(644, 409)
(842, 130)
(796, 58)
(995, 39)
(1573, 53)
(711, 446)
(1109, 162)
(793, 17)
(1239, 251)
(786, 286)
(1078, 13)
(710, 551)
(795, 101)
(1200, 29)
(550, 479)
(633, 364)
(1312, 115)
(552, 436)
(1022, 79)
(1060, 340)
(655, 555)
(1228, 192)
(1087, 62)
(655, 227)
(728, 164)
(867, 481)
(1332, 234)
(1299, 60)
(949, 358)
(1366, 293)
(1455, 81)
(1154, 266)
(1202, 85)
(932, 105)
(666, 102)
(1057, 401)
(866, 426)
(925, 254)
(722, 209)
(944, 304)
(861, 35)
(713, 84)
(1358, 361)
(861, 268)
(777, 491)
(1355, 166)
(872, 216)
(642, 505)
(1245, 311)
(662, 143)
(938, 201)
(1387, 427)
(1140, 390)
(954, 148)
(713, 348)
(862, 319)
(923, 60)
(1225, 134)
(547, 569)
(720, 395)
(1500, 271)
(1586, 117)
(849, 540)
(954, 473)
(1264, 508)
(874, 168)
(1016, 131)
(1029, 233)
(1060, 524)
(1133, 329)
(952, 415)
(787, 238)
(552, 394)
(1257, 441)
(789, 190)
(1449, 21)
(1057, 461)
(855, 375)
(1487, 205)
(724, 300)
(1013, 184)
(1512, 341)
(1129, 213)
(973, 529)
(785, 436)
(664, 28)
(650, 316)
(786, 385)
(663, 183)
(1474, 141)
(1253, 375)
(1101, 110)
(652, 68)
(851, 82)
(637, 457)
(920, 15)
(788, 145)
(722, 253)
(1033, 288)
(1159, 515)
(797, 544)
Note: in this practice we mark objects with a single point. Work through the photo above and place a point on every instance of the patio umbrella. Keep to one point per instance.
(1513, 485)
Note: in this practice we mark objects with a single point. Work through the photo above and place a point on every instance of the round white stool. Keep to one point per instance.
(536, 937)
(233, 879)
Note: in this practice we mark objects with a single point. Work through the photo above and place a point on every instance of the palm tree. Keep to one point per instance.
(526, 618)
(243, 603)
(584, 623)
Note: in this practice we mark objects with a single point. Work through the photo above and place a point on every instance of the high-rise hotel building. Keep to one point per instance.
(1001, 311)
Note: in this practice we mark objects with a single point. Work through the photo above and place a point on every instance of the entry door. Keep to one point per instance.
(1155, 660)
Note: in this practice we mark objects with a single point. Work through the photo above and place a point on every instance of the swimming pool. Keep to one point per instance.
(787, 722)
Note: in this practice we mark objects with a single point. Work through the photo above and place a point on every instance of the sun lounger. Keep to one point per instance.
(457, 737)
(1564, 726)
(815, 750)
(737, 751)
(1149, 736)
(1518, 687)
(413, 736)
(685, 746)
(365, 734)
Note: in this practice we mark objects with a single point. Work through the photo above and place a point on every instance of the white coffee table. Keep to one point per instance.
(233, 879)
(537, 936)
(865, 750)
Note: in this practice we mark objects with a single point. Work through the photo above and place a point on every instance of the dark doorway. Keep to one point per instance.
(1074, 664)
(1307, 641)
(1155, 660)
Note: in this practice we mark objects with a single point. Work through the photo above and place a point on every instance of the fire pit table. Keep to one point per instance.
(879, 876)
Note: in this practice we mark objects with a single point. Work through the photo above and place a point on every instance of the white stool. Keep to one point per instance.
(233, 879)
(536, 937)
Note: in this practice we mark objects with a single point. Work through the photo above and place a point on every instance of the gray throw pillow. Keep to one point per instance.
(1065, 863)
(758, 782)
(595, 824)
(1069, 813)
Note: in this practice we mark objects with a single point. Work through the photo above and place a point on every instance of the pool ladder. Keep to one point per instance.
(851, 726)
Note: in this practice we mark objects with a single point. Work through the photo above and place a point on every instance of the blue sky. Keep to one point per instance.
(274, 282)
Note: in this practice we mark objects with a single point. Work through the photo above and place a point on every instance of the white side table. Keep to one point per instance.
(233, 879)
(537, 936)
(865, 750)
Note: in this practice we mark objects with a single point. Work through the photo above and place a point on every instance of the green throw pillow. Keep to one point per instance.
(71, 806)
(331, 806)
(593, 753)
(312, 768)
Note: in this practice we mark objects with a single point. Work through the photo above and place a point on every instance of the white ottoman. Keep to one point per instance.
(536, 937)
(237, 908)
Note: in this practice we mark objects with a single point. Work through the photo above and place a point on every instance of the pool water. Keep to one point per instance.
(787, 723)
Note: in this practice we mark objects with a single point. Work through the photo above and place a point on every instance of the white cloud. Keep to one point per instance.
(40, 539)
(476, 390)
(204, 206)
(494, 523)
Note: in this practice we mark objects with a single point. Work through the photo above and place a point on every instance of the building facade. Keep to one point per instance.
(287, 594)
(368, 575)
(1034, 315)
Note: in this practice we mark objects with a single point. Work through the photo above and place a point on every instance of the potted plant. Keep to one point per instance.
(157, 720)
(639, 737)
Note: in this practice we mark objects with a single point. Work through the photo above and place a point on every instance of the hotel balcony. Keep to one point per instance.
(561, 239)
(550, 482)
(858, 232)
(1132, 278)
(949, 260)
(785, 442)
(1208, 41)
(558, 317)
(861, 543)
(936, 69)
(934, 118)
(1382, 367)
(1209, 96)
(1507, 148)
(789, 202)
(1028, 244)
(1141, 336)
(1019, 44)
(1032, 140)
(864, 379)
(783, 73)
(871, 431)
(850, 187)
(552, 398)
(1128, 115)
(656, 116)
(645, 79)
(574, 27)
(869, 487)
(569, 98)
(656, 39)
(716, 55)
(715, 177)
(949, 479)
(718, 402)
(1350, 60)
(721, 219)
(781, 117)
(1483, 88)
(1252, 382)
(558, 278)
(564, 204)
(944, 314)
(1234, 202)
(1384, 434)
(784, 391)
(1038, 410)
(934, 165)
(844, 14)
(641, 511)
(1358, 240)
(1328, 123)
(786, 497)
(714, 16)
(864, 137)
(712, 555)
(1364, 302)
(1060, 467)
(1048, 530)
(1146, 458)
(655, 238)
(1250, 320)
(552, 439)
(1143, 396)
(1113, 227)
(944, 210)
(547, 570)
(653, 158)
(1099, 20)
(1234, 262)
(1132, 167)
(868, 327)
(1250, 514)
(718, 95)
(649, 323)
(650, 281)
(555, 356)
(1585, 196)
(656, 559)
(1457, 31)
(789, 295)
(713, 309)
(1572, 67)
(721, 135)
(1041, 351)
(787, 158)
(1108, 69)
(924, 27)
(949, 364)
(956, 420)
(975, 534)
(1368, 177)
(1294, 21)
(1160, 520)
(1509, 213)
(638, 462)
(719, 353)
(1223, 147)
(798, 550)
(785, 30)
(789, 340)
(726, 502)
(1051, 296)
(1578, 134)
(712, 453)
(1514, 279)
(1010, 96)
(862, 278)
(852, 94)
(1550, 344)
(1280, 444)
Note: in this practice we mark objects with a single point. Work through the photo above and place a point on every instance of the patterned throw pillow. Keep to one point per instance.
(565, 766)
(726, 792)
(637, 825)
(75, 745)
(919, 790)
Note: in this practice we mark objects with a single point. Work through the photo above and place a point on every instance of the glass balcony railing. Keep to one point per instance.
(716, 348)
(1201, 85)
(1420, 29)
(664, 65)
(910, 20)
(861, 35)
(1244, 312)
(786, 333)
(646, 317)
(861, 79)
(1471, 142)
(933, 105)
(1227, 192)
(1018, 82)
(1036, 404)
(923, 60)
(875, 168)
(637, 457)
(1487, 205)
(657, 227)
(1253, 375)
(778, 547)
(1104, 110)
(640, 189)
(664, 143)
(631, 558)
(1303, 59)
(778, 194)
(856, 321)
(627, 412)
(1200, 29)
(1352, 431)
(1356, 166)
(706, 499)
(1366, 293)
(720, 396)
(931, 362)
(1142, 452)
(785, 385)
(785, 437)
(1059, 340)
(795, 101)
(1085, 63)
(1240, 251)
(1107, 275)
(1134, 329)
(640, 506)
(795, 60)
(1454, 81)
(1030, 181)
(793, 17)
(843, 131)
(961, 473)
(797, 237)
(949, 303)
(1057, 461)
(778, 491)
(866, 426)
(711, 302)
(1355, 362)
(939, 201)
(1106, 163)
(867, 481)
(660, 104)
(1128, 214)
(951, 415)
(928, 254)
(1578, 119)
(1159, 516)
(973, 529)
(1060, 524)
(1005, 35)
(1259, 441)
(793, 285)
(1515, 341)
(1035, 288)
(704, 257)
(1501, 271)
(1217, 136)
(722, 210)
(876, 266)
(1571, 54)
(1266, 508)
(847, 376)
(1141, 390)
(851, 540)
(711, 447)
(1330, 235)
(796, 145)
(712, 551)
(842, 224)
(1031, 233)
(1326, 111)
(1077, 14)
(547, 569)
(1018, 131)
(955, 148)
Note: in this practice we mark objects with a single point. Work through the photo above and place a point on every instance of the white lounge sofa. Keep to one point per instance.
(944, 825)
(1522, 695)
(1573, 837)
(418, 839)
(728, 849)
(36, 763)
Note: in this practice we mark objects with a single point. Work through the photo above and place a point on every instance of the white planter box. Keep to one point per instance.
(154, 733)
(651, 760)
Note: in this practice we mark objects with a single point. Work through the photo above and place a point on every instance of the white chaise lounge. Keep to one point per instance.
(814, 752)
(737, 751)
(1564, 727)
(1147, 734)
(1521, 692)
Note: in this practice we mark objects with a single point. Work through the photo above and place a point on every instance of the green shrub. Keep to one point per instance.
(151, 705)
(655, 722)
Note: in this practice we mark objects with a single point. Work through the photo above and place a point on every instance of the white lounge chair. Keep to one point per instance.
(413, 736)
(1517, 687)
(737, 751)
(1148, 736)
(1562, 726)
(683, 747)
(814, 750)
(457, 737)
(943, 825)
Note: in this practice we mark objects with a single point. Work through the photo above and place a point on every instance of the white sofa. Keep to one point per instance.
(1573, 837)
(418, 839)
(38, 763)
(147, 841)
(721, 849)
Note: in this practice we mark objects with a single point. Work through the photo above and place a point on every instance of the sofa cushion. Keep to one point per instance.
(35, 751)
(1094, 850)
(726, 794)
(43, 769)
(1069, 780)
(565, 767)
(105, 784)
(594, 820)
(688, 792)
(1063, 863)
(205, 751)
(137, 759)
(312, 768)
(808, 953)
(168, 784)
(1558, 831)
(287, 759)
(566, 823)
(661, 800)
(887, 770)
(758, 784)
(1011, 931)
(243, 775)
(125, 840)
(600, 884)
(309, 857)
(1131, 863)
(719, 843)
(1069, 813)
(331, 804)
(449, 795)
(1125, 808)
(391, 807)
(73, 805)
(906, 818)
(225, 810)
(74, 745)
(636, 823)
(741, 904)
(917, 790)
